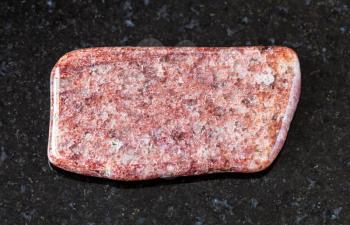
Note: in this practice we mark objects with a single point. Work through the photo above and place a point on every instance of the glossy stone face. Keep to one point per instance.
(141, 113)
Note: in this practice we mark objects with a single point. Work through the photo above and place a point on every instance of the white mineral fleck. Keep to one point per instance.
(265, 79)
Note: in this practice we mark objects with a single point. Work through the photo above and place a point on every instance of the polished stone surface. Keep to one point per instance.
(140, 113)
(307, 184)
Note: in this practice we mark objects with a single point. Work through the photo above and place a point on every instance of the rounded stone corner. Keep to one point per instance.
(290, 54)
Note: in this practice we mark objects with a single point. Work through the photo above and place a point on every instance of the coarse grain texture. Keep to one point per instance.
(308, 183)
(129, 113)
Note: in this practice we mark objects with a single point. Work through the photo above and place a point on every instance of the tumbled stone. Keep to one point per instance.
(135, 113)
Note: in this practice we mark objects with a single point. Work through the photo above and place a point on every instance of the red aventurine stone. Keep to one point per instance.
(135, 113)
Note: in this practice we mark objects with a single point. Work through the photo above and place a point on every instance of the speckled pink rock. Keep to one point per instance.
(132, 113)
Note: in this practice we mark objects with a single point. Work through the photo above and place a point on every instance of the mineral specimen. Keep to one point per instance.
(136, 113)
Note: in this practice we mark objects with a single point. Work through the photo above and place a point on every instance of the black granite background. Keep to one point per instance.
(308, 184)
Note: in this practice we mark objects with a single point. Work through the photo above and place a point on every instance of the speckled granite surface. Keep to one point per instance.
(139, 113)
(308, 184)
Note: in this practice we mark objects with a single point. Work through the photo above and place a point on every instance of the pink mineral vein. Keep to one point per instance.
(137, 113)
